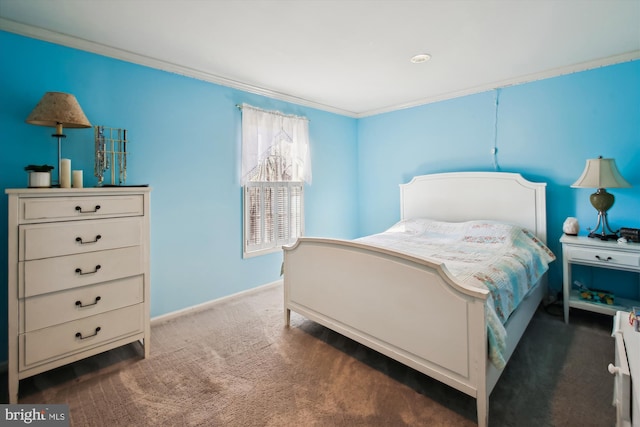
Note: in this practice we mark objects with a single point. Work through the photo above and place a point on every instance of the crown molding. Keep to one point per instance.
(124, 55)
(555, 72)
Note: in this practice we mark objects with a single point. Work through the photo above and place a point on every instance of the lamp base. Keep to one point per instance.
(602, 236)
(58, 135)
(607, 233)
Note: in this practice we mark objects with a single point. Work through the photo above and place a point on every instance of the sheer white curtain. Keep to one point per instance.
(275, 147)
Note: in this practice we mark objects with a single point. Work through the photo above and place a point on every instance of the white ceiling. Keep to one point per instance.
(345, 56)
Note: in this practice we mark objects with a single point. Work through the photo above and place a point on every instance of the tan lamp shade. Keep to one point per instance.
(601, 173)
(57, 109)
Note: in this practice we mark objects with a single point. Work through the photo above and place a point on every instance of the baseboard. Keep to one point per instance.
(206, 305)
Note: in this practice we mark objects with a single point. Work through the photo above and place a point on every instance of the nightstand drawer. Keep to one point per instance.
(57, 274)
(46, 344)
(51, 309)
(44, 209)
(39, 241)
(603, 256)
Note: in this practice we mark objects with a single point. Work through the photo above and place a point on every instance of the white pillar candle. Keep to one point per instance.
(77, 179)
(65, 173)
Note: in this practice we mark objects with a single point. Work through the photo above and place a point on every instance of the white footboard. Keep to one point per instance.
(409, 309)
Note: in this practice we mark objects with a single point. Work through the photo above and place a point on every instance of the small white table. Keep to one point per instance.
(596, 253)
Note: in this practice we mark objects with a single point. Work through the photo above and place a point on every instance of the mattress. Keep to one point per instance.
(505, 259)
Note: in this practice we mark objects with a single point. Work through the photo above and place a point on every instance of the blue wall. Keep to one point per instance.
(185, 143)
(545, 130)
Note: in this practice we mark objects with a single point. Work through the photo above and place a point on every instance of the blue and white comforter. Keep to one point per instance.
(505, 259)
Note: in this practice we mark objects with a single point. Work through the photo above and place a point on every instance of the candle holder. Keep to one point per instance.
(111, 154)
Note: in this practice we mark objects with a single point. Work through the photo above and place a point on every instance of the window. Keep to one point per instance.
(273, 215)
(275, 164)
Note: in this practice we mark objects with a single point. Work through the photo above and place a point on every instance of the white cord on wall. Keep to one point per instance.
(494, 150)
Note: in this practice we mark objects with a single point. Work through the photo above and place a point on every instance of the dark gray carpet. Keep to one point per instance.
(235, 364)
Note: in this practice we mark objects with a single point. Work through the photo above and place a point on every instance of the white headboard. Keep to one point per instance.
(466, 196)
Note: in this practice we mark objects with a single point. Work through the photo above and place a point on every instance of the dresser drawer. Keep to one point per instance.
(72, 271)
(55, 239)
(80, 207)
(47, 344)
(51, 309)
(603, 256)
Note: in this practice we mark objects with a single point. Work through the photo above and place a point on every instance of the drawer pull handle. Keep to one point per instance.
(604, 259)
(79, 270)
(79, 334)
(613, 369)
(79, 239)
(80, 305)
(79, 209)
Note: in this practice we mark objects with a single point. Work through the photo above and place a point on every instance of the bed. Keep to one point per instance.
(411, 308)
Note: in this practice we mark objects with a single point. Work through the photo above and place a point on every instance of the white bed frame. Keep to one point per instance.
(410, 309)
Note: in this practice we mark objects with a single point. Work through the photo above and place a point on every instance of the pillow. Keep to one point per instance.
(489, 232)
(414, 225)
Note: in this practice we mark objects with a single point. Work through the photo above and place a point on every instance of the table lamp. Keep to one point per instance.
(58, 110)
(600, 173)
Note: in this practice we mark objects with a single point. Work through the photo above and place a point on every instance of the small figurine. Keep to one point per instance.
(571, 226)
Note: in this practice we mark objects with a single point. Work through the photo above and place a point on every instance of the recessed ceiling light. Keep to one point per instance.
(419, 59)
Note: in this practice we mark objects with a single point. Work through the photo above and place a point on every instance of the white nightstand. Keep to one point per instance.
(596, 253)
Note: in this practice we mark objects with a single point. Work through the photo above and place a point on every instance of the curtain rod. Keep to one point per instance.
(277, 113)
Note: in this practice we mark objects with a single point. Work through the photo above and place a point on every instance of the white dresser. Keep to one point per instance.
(78, 275)
(626, 393)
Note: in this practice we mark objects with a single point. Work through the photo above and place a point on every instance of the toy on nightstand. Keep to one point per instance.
(595, 295)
